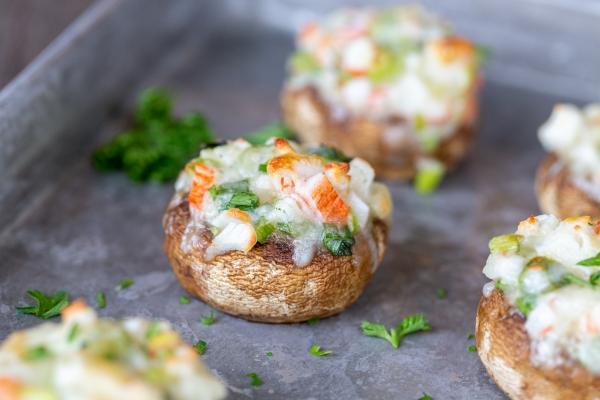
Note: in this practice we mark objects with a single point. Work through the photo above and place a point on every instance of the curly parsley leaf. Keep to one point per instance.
(158, 146)
(316, 351)
(200, 346)
(254, 379)
(47, 306)
(411, 324)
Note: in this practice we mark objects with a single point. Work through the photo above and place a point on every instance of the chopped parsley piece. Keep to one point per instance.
(338, 241)
(243, 201)
(510, 243)
(37, 353)
(262, 167)
(73, 332)
(500, 285)
(591, 262)
(208, 320)
(287, 229)
(264, 229)
(316, 351)
(47, 306)
(254, 379)
(184, 300)
(595, 279)
(262, 135)
(200, 346)
(525, 304)
(470, 336)
(411, 324)
(428, 177)
(472, 349)
(425, 397)
(100, 300)
(158, 145)
(441, 293)
(314, 321)
(330, 153)
(269, 353)
(125, 283)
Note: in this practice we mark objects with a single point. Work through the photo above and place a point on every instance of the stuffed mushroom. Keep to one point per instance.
(276, 232)
(538, 322)
(85, 357)
(393, 86)
(568, 180)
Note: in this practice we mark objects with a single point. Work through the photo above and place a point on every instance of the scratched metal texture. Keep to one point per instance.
(65, 226)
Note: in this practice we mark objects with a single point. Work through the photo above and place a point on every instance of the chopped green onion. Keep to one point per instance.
(525, 304)
(595, 278)
(73, 332)
(302, 61)
(153, 329)
(316, 351)
(37, 353)
(254, 379)
(208, 320)
(590, 262)
(125, 283)
(243, 201)
(262, 167)
(419, 122)
(337, 241)
(472, 349)
(429, 175)
(510, 243)
(263, 231)
(269, 353)
(184, 300)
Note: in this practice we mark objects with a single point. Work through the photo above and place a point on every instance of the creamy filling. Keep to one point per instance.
(85, 357)
(574, 135)
(248, 195)
(549, 270)
(401, 62)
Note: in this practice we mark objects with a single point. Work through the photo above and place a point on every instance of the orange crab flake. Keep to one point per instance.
(453, 48)
(204, 177)
(238, 214)
(328, 202)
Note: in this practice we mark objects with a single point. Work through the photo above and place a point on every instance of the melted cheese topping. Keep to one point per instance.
(400, 62)
(85, 357)
(250, 194)
(538, 271)
(574, 135)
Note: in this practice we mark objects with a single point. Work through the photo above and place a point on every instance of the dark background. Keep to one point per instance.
(28, 26)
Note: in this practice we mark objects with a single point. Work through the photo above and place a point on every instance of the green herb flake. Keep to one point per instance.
(269, 353)
(316, 351)
(208, 320)
(73, 332)
(411, 324)
(313, 321)
(429, 177)
(243, 201)
(472, 349)
(441, 293)
(262, 135)
(262, 167)
(254, 379)
(330, 153)
(470, 336)
(125, 283)
(184, 300)
(47, 306)
(100, 300)
(338, 241)
(590, 262)
(510, 243)
(158, 145)
(264, 229)
(37, 353)
(200, 347)
(525, 304)
(595, 278)
(425, 397)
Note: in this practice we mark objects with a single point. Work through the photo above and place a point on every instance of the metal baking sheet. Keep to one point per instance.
(65, 226)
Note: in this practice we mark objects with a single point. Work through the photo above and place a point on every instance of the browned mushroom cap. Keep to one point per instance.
(264, 284)
(314, 121)
(503, 346)
(557, 193)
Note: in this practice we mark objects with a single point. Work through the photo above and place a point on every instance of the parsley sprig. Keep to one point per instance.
(47, 306)
(411, 324)
(158, 145)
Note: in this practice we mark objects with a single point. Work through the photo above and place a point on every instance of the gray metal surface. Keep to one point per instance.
(64, 226)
